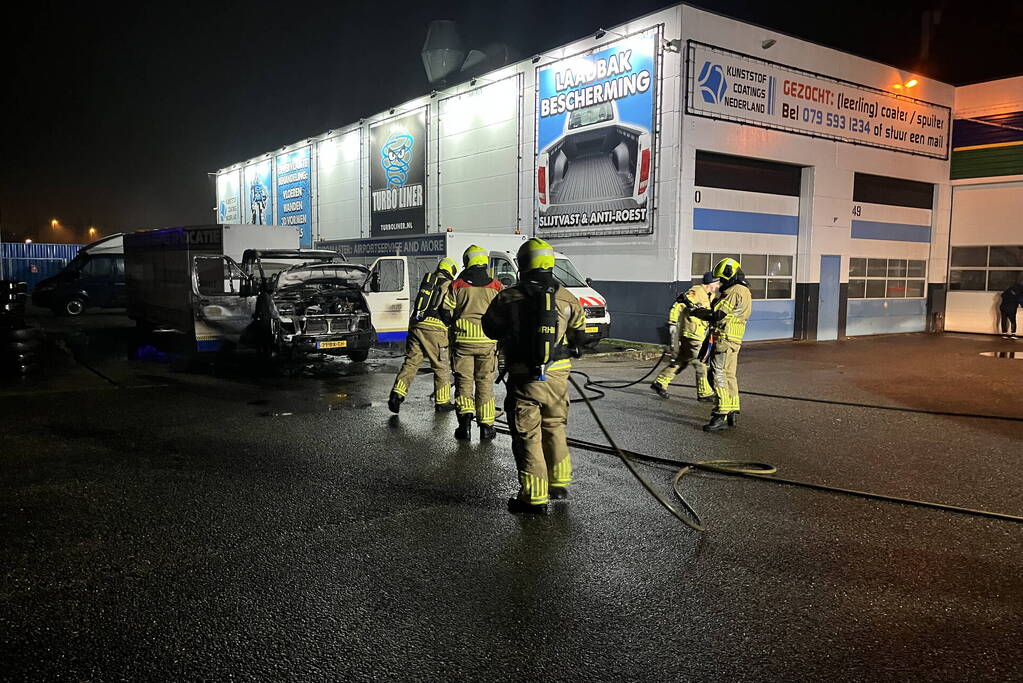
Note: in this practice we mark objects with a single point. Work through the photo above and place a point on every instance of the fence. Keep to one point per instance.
(33, 262)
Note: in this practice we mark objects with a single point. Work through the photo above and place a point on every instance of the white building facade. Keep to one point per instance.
(647, 153)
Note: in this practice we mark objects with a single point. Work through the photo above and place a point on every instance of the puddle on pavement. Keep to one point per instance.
(1016, 355)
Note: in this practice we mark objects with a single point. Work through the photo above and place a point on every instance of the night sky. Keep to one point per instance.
(117, 112)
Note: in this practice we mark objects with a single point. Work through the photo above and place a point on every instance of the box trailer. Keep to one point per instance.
(397, 266)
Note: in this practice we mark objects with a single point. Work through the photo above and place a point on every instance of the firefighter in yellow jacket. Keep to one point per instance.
(688, 334)
(728, 325)
(474, 354)
(539, 324)
(428, 338)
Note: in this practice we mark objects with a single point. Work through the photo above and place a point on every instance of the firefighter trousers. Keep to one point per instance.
(723, 368)
(537, 415)
(475, 367)
(430, 343)
(688, 354)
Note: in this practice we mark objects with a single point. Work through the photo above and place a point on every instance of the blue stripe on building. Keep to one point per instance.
(970, 133)
(898, 232)
(745, 221)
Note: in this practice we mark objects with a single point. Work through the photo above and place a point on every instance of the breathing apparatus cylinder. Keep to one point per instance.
(430, 296)
(536, 260)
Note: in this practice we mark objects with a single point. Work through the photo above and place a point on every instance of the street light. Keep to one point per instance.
(54, 224)
(92, 232)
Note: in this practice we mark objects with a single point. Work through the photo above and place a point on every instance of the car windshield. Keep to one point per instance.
(567, 275)
(587, 116)
(349, 274)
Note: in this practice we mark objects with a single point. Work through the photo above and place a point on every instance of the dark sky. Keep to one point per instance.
(117, 112)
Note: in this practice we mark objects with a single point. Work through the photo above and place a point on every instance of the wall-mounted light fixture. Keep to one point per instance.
(672, 45)
(601, 32)
(768, 44)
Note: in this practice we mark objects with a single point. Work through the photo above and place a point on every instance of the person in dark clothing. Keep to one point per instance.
(1012, 298)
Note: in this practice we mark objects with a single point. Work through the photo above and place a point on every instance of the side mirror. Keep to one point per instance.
(374, 282)
(589, 282)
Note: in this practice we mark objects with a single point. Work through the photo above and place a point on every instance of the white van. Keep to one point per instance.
(397, 266)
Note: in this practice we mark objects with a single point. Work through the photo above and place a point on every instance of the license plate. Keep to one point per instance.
(331, 345)
(592, 330)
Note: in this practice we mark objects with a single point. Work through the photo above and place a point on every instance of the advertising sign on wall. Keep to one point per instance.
(294, 192)
(595, 140)
(729, 85)
(258, 198)
(228, 197)
(397, 171)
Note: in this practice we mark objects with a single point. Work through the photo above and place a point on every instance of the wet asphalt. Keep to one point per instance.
(167, 520)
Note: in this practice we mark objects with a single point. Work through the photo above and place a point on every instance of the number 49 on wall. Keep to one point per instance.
(857, 210)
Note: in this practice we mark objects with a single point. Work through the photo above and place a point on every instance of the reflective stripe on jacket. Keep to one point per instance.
(737, 304)
(693, 327)
(467, 304)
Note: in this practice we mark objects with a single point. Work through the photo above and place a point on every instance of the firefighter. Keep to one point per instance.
(728, 325)
(688, 332)
(473, 355)
(428, 337)
(539, 325)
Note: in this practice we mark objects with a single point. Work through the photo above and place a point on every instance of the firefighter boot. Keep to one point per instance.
(517, 506)
(394, 402)
(487, 432)
(661, 391)
(732, 421)
(443, 407)
(718, 422)
(464, 423)
(558, 492)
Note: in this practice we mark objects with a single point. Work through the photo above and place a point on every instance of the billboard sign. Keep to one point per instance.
(229, 197)
(595, 140)
(294, 192)
(397, 171)
(735, 87)
(258, 193)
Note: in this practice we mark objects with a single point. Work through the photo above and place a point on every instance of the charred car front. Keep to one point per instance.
(308, 302)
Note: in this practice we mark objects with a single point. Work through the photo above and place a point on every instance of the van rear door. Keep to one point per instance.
(222, 301)
(388, 296)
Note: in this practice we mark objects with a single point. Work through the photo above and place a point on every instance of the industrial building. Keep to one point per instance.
(860, 198)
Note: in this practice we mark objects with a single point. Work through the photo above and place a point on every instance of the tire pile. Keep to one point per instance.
(20, 345)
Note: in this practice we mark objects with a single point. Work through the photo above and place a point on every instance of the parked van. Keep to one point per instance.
(93, 278)
(397, 266)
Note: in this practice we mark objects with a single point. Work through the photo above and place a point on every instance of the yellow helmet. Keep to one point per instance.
(535, 253)
(726, 268)
(448, 266)
(475, 255)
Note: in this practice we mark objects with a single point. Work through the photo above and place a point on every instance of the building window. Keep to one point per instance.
(876, 189)
(887, 278)
(992, 268)
(748, 175)
(769, 275)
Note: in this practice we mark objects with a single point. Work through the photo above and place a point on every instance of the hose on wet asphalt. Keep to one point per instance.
(748, 469)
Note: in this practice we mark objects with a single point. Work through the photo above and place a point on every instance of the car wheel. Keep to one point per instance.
(73, 306)
(359, 355)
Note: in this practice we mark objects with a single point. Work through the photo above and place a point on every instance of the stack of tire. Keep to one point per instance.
(20, 345)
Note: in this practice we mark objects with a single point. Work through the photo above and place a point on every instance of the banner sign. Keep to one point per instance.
(595, 140)
(397, 172)
(259, 202)
(409, 246)
(735, 87)
(294, 192)
(228, 197)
